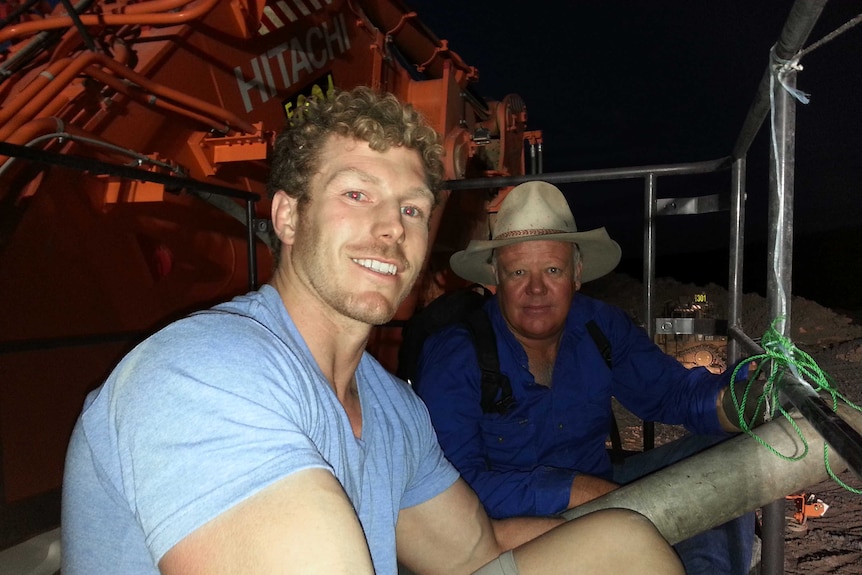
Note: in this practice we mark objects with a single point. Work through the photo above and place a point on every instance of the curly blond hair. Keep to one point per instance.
(379, 119)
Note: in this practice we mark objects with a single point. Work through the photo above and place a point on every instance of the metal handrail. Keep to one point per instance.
(624, 173)
(801, 20)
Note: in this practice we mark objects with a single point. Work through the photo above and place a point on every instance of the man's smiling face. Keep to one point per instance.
(363, 233)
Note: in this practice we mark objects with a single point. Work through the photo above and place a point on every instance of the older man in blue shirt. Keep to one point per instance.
(547, 453)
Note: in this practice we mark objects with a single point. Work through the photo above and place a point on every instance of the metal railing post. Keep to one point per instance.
(650, 195)
(252, 248)
(737, 243)
(779, 271)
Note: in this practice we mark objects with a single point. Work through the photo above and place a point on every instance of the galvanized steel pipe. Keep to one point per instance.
(735, 477)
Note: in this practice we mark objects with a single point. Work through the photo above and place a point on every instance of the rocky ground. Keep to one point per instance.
(831, 544)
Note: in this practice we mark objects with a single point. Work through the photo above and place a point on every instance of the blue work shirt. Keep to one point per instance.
(523, 462)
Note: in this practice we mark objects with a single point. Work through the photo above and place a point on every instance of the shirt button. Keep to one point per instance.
(560, 425)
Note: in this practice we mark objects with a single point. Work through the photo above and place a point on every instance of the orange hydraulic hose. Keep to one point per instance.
(179, 97)
(34, 97)
(144, 98)
(36, 128)
(154, 6)
(41, 126)
(443, 49)
(32, 130)
(139, 19)
(56, 76)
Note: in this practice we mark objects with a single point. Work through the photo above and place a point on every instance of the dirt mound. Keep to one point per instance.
(811, 323)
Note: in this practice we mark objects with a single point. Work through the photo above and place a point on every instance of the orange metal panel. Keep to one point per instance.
(200, 87)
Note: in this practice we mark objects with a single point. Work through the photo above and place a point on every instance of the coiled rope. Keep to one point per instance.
(780, 354)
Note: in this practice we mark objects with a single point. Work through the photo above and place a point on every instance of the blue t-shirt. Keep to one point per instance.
(213, 409)
(523, 462)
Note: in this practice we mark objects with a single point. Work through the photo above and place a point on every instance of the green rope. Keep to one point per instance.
(781, 354)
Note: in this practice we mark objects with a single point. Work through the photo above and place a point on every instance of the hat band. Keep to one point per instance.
(524, 233)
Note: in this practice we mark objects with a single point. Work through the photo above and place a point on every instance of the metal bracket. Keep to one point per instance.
(262, 225)
(691, 206)
(690, 326)
(807, 506)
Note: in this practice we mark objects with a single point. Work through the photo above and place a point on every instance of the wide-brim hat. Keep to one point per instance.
(537, 211)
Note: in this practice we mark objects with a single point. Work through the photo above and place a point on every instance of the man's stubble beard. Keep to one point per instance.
(306, 249)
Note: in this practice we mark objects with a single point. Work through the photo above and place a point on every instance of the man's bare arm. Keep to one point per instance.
(588, 487)
(724, 420)
(747, 391)
(447, 534)
(304, 523)
(451, 534)
(515, 531)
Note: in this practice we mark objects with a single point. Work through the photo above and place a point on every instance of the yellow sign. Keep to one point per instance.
(320, 90)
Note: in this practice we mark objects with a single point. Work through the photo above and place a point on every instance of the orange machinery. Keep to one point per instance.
(115, 119)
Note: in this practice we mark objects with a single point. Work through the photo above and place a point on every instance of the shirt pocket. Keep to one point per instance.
(510, 443)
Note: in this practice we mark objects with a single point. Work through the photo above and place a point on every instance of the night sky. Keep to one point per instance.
(613, 83)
